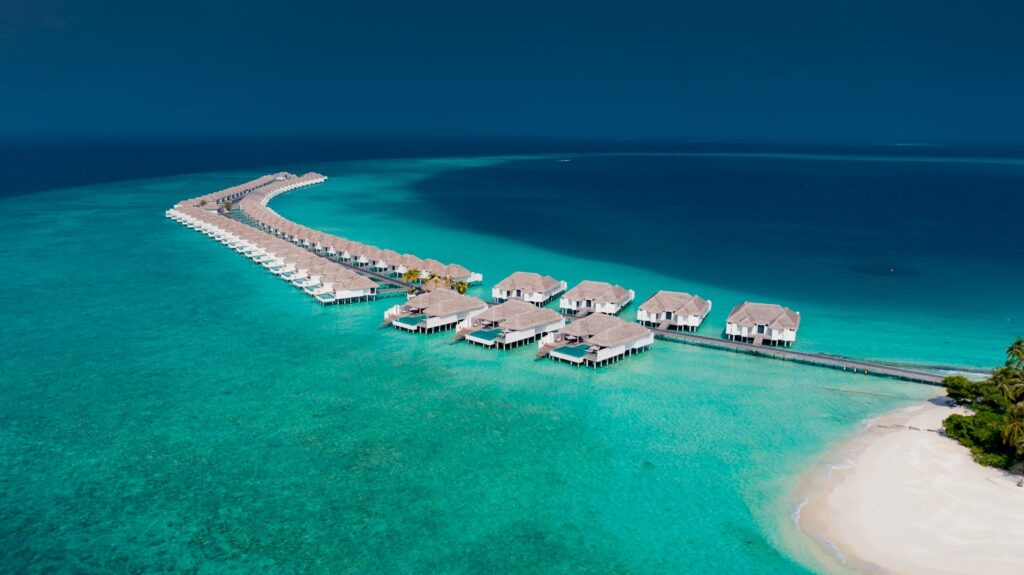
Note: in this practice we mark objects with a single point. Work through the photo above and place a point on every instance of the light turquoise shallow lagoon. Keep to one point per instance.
(167, 406)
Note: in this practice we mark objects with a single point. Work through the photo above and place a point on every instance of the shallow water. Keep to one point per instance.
(168, 406)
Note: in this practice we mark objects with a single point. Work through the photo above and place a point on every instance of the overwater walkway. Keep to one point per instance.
(787, 354)
(865, 367)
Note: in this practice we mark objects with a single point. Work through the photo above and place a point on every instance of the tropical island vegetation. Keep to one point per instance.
(995, 431)
(414, 275)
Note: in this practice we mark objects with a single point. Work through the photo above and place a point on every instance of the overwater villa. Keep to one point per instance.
(595, 297)
(596, 340)
(529, 287)
(673, 310)
(762, 323)
(435, 310)
(510, 324)
(344, 286)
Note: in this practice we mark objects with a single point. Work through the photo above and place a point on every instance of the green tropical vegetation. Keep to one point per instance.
(434, 280)
(228, 205)
(411, 275)
(994, 432)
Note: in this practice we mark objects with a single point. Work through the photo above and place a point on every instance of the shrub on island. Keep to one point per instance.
(995, 431)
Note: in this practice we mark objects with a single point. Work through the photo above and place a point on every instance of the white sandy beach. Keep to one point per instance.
(901, 498)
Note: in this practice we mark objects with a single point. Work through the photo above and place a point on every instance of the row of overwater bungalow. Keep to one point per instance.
(377, 260)
(327, 281)
(595, 336)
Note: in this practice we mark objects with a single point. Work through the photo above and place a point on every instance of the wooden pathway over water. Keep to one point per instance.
(787, 354)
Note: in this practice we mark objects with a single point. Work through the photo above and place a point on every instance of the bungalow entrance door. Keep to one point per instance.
(589, 303)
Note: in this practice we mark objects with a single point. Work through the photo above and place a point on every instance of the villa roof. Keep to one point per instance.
(528, 282)
(371, 253)
(604, 330)
(767, 314)
(592, 325)
(440, 302)
(599, 292)
(433, 266)
(353, 280)
(410, 261)
(455, 271)
(536, 316)
(506, 310)
(679, 303)
(625, 333)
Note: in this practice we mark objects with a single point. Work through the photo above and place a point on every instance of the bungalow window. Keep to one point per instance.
(589, 303)
(668, 315)
(760, 329)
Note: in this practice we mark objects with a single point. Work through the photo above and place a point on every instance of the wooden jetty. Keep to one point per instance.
(788, 354)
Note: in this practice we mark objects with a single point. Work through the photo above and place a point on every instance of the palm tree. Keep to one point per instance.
(228, 205)
(1015, 354)
(461, 286)
(1009, 382)
(1013, 433)
(411, 275)
(433, 281)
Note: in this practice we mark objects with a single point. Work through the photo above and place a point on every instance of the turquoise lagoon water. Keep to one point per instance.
(167, 406)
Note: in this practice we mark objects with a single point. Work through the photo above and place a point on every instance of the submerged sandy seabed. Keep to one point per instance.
(902, 498)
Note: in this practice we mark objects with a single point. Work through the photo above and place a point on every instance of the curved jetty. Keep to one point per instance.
(328, 268)
(372, 258)
(328, 282)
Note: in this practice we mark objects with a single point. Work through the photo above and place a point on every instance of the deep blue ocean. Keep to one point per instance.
(166, 406)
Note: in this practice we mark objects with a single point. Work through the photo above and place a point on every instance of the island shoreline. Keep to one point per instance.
(901, 497)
